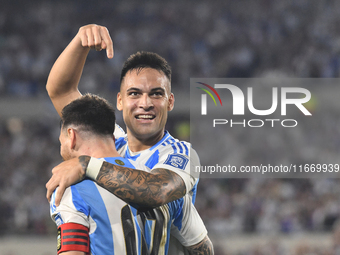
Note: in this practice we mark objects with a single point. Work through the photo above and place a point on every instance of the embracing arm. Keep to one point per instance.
(205, 247)
(143, 188)
(62, 83)
(131, 185)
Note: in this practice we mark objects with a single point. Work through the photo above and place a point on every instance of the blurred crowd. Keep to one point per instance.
(199, 39)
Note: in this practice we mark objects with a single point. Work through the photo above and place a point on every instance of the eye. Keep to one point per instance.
(157, 94)
(133, 93)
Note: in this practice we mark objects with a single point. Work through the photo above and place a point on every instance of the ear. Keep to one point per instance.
(171, 102)
(72, 136)
(119, 102)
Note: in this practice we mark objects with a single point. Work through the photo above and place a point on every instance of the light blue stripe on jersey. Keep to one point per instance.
(126, 162)
(194, 191)
(87, 192)
(78, 201)
(120, 142)
(153, 160)
(185, 148)
(168, 234)
(168, 141)
(176, 209)
(128, 156)
(174, 147)
(180, 147)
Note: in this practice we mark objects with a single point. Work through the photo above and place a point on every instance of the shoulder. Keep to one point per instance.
(173, 145)
(120, 161)
(176, 147)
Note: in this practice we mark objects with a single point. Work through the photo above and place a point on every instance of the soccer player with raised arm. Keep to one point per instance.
(145, 98)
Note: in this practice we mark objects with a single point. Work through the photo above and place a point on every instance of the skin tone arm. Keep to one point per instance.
(64, 77)
(205, 247)
(143, 188)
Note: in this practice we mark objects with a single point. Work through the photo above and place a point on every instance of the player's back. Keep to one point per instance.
(114, 227)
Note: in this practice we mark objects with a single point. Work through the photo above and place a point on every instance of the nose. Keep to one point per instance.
(145, 102)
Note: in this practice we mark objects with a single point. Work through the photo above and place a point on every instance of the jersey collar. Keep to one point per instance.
(165, 137)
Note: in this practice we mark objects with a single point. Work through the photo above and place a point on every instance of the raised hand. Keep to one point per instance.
(96, 37)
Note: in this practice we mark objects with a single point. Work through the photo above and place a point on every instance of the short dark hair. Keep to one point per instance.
(143, 59)
(91, 113)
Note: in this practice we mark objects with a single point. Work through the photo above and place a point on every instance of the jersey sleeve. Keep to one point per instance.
(72, 209)
(182, 160)
(119, 132)
(188, 227)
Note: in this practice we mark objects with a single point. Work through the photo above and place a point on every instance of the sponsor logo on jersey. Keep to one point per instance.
(177, 160)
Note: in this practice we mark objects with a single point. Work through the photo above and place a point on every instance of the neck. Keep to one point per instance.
(99, 149)
(140, 143)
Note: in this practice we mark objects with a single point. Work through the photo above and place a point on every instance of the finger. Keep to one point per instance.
(50, 186)
(48, 194)
(90, 39)
(97, 38)
(103, 45)
(59, 194)
(83, 39)
(107, 41)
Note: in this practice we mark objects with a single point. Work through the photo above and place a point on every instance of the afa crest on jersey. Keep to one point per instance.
(177, 160)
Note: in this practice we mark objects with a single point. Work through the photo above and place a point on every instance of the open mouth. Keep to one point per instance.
(145, 117)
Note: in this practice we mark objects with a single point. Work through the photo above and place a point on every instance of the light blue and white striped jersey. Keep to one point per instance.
(178, 156)
(168, 153)
(116, 227)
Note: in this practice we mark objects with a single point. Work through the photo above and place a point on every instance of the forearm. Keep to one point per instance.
(62, 83)
(143, 188)
(205, 247)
